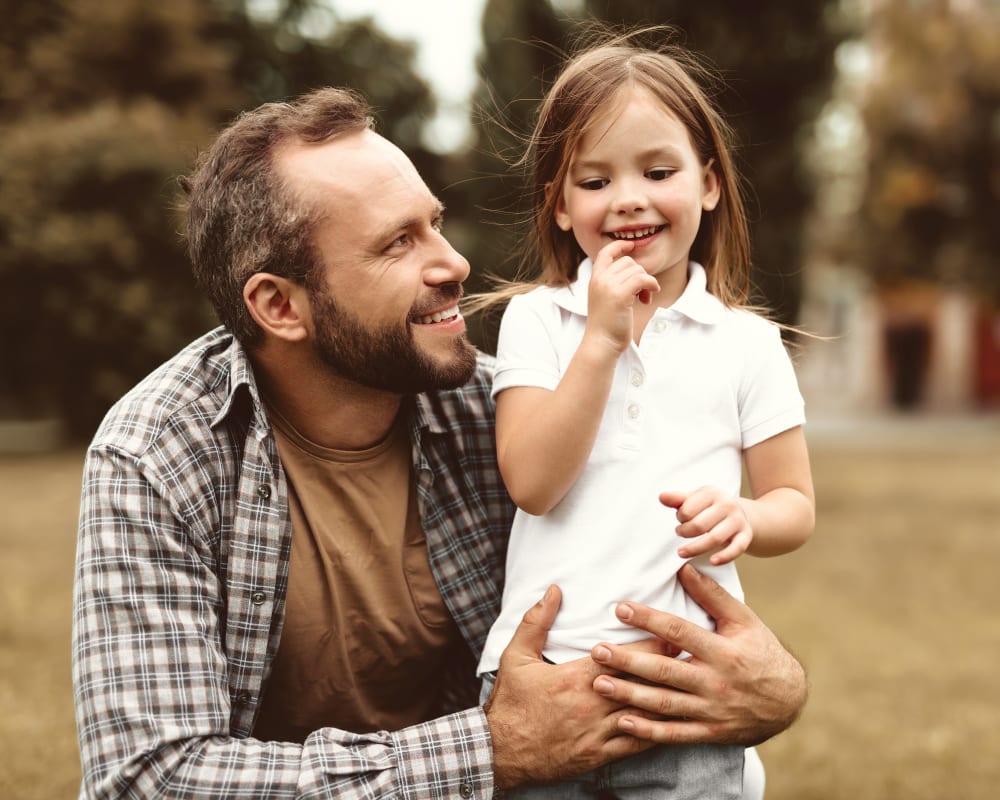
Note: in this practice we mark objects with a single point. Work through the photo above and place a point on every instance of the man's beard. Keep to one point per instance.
(385, 358)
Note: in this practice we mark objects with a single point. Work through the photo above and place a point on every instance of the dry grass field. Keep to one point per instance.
(893, 607)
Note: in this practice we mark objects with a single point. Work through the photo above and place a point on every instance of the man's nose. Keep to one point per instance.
(448, 266)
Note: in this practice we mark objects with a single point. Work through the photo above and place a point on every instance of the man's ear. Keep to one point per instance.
(278, 305)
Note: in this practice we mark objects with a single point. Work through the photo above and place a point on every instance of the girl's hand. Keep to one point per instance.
(617, 281)
(713, 520)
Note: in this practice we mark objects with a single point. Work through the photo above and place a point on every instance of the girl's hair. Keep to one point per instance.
(592, 82)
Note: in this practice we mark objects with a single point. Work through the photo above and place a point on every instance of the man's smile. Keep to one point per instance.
(444, 315)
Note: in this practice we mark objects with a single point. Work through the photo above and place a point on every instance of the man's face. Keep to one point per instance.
(385, 305)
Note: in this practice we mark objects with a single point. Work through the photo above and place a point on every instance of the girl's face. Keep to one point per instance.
(635, 175)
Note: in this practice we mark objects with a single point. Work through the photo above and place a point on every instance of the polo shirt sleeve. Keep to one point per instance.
(526, 347)
(769, 398)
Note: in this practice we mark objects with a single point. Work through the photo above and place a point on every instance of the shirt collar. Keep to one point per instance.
(695, 302)
(241, 384)
(432, 410)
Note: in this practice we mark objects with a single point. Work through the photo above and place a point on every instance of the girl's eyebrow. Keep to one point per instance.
(660, 151)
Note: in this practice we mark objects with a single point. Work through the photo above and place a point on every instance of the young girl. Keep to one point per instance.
(632, 384)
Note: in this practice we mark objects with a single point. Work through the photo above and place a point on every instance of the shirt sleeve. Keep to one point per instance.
(770, 400)
(150, 676)
(526, 348)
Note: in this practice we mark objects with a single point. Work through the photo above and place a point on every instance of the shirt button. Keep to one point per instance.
(633, 411)
(264, 491)
(659, 326)
(466, 790)
(637, 378)
(258, 598)
(244, 698)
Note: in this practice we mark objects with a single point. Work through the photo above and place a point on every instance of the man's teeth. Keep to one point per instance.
(448, 313)
(638, 234)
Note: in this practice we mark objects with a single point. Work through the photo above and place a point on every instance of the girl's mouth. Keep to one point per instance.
(637, 234)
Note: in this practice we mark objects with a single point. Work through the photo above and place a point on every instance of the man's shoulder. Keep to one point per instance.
(189, 389)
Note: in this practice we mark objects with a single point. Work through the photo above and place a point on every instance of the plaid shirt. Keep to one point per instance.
(182, 567)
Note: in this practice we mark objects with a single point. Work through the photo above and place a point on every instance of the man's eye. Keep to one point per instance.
(593, 184)
(400, 241)
(659, 174)
(438, 224)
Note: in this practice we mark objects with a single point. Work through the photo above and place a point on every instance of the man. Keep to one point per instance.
(292, 534)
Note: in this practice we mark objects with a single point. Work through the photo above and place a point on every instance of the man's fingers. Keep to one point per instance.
(668, 731)
(529, 638)
(720, 605)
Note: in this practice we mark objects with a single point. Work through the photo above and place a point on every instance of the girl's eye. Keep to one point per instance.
(659, 174)
(593, 184)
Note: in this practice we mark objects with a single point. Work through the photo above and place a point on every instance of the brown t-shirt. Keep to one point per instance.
(366, 632)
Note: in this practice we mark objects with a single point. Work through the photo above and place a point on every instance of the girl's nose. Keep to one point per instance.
(628, 197)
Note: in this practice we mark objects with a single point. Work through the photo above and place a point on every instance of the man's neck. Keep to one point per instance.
(324, 408)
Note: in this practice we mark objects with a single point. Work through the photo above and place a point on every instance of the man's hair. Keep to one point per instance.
(242, 218)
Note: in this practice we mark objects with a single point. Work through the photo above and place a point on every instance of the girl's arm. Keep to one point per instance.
(782, 512)
(544, 437)
(779, 518)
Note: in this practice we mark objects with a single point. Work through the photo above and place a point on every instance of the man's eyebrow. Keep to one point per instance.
(393, 230)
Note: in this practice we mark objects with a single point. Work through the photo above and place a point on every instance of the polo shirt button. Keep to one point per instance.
(264, 491)
(633, 411)
(258, 598)
(466, 790)
(659, 326)
(637, 378)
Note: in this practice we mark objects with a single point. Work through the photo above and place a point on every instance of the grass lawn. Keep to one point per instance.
(893, 607)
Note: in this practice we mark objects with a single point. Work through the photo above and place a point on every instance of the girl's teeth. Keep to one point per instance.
(634, 234)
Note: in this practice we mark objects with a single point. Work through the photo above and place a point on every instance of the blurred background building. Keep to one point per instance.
(870, 133)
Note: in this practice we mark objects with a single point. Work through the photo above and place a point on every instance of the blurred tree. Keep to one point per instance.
(522, 47)
(102, 104)
(932, 116)
(776, 63)
(109, 102)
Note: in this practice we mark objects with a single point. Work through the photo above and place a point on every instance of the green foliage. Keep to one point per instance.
(102, 104)
(932, 115)
(776, 63)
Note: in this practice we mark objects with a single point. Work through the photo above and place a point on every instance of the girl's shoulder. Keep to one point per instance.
(536, 298)
(749, 325)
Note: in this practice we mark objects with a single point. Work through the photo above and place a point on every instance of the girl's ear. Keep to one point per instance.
(562, 215)
(711, 189)
(278, 305)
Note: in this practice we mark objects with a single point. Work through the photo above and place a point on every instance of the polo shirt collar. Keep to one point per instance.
(695, 302)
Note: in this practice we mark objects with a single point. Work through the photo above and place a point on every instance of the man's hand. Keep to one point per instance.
(545, 719)
(739, 687)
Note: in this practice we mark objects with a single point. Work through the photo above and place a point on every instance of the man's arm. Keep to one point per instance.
(153, 699)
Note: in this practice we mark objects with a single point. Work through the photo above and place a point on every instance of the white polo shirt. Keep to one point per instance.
(703, 384)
